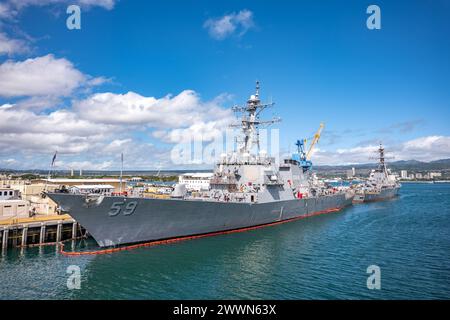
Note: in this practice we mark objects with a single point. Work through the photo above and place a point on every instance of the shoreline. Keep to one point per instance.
(430, 182)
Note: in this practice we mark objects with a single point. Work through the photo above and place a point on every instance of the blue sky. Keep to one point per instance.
(316, 59)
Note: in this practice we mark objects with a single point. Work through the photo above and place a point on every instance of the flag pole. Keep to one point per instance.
(121, 171)
(50, 170)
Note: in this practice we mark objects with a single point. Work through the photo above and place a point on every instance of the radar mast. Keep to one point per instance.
(250, 122)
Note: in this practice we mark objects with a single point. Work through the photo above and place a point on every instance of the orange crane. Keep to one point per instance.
(314, 141)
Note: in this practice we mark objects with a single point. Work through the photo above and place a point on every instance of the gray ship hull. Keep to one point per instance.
(119, 220)
(384, 194)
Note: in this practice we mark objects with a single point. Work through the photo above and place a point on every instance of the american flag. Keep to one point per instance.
(54, 158)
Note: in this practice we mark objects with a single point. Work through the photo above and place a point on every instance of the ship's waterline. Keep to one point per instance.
(154, 219)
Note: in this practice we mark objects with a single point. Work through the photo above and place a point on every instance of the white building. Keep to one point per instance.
(116, 183)
(8, 193)
(196, 181)
(435, 175)
(404, 174)
(93, 188)
(14, 209)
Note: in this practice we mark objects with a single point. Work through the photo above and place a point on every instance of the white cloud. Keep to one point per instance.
(14, 120)
(117, 146)
(180, 111)
(225, 26)
(103, 125)
(85, 165)
(22, 131)
(11, 46)
(107, 4)
(95, 143)
(9, 161)
(38, 102)
(39, 76)
(15, 6)
(426, 148)
(344, 156)
(4, 10)
(200, 131)
(423, 149)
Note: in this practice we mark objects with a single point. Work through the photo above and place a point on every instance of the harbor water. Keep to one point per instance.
(322, 257)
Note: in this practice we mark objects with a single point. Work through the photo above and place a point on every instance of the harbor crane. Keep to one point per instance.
(314, 141)
(302, 156)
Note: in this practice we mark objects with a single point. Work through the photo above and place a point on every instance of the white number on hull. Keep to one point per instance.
(116, 207)
(129, 208)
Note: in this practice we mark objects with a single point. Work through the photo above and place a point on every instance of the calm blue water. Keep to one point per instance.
(323, 257)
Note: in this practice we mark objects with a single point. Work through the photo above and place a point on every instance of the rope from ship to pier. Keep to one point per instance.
(185, 238)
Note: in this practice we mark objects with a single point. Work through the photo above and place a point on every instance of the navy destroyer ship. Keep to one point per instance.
(248, 189)
(380, 185)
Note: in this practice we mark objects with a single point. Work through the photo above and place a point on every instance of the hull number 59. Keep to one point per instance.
(127, 208)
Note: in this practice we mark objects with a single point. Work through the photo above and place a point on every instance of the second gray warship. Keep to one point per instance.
(380, 185)
(248, 188)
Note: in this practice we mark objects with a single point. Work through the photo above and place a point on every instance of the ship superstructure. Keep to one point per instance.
(248, 188)
(380, 185)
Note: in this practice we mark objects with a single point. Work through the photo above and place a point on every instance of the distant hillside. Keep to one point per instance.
(410, 165)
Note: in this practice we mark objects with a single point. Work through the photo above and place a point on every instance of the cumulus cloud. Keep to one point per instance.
(117, 146)
(235, 23)
(40, 76)
(13, 7)
(102, 126)
(4, 10)
(426, 149)
(90, 142)
(11, 46)
(22, 131)
(85, 165)
(30, 77)
(178, 111)
(14, 120)
(200, 131)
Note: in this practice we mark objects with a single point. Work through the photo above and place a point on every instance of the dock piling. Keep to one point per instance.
(42, 234)
(24, 235)
(5, 238)
(34, 231)
(74, 230)
(58, 231)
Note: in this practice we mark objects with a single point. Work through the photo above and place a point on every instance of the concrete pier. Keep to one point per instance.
(24, 232)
